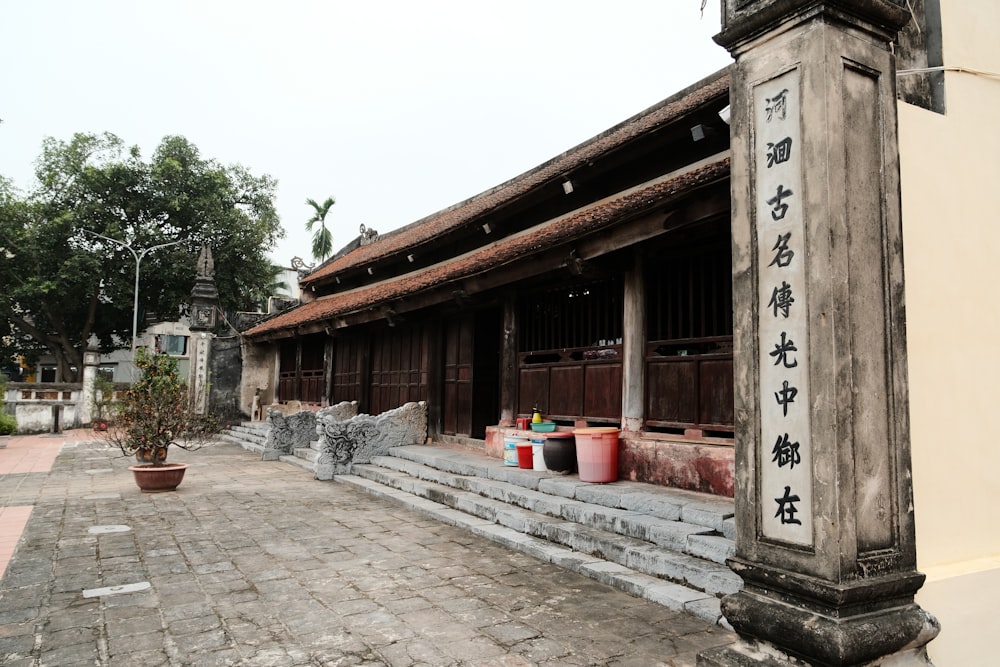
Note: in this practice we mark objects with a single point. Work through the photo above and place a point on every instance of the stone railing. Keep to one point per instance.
(299, 429)
(344, 442)
(44, 407)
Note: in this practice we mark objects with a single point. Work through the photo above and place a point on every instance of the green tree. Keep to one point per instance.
(322, 244)
(62, 286)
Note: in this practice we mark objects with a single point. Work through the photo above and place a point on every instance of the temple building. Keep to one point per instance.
(598, 287)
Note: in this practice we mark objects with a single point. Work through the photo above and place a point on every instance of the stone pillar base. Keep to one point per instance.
(812, 633)
(761, 654)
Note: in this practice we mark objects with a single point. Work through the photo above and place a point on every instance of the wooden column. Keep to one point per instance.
(329, 360)
(634, 346)
(508, 363)
(825, 539)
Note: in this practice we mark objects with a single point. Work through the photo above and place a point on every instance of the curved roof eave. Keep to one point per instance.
(406, 239)
(568, 227)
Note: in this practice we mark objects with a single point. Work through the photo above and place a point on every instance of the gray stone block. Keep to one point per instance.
(673, 596)
(516, 476)
(608, 495)
(708, 513)
(711, 547)
(560, 486)
(572, 560)
(600, 517)
(607, 573)
(708, 608)
(722, 582)
(653, 505)
(306, 453)
(674, 534)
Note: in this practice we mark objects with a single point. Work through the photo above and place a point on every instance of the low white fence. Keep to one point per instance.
(44, 407)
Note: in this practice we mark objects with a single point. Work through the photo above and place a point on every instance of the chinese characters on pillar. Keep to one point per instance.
(783, 456)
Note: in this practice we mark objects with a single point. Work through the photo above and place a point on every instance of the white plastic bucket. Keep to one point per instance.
(537, 457)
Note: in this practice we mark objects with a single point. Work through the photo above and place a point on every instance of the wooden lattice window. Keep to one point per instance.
(587, 314)
(689, 349)
(570, 345)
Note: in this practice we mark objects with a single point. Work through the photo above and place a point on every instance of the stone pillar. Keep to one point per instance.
(634, 346)
(85, 411)
(204, 314)
(825, 542)
(201, 349)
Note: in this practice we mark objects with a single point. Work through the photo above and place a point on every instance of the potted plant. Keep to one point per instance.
(153, 414)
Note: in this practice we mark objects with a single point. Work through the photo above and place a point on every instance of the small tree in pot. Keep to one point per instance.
(154, 413)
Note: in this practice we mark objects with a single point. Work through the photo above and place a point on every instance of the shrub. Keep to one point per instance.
(8, 424)
(154, 412)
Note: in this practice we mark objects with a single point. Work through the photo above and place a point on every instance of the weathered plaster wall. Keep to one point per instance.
(951, 195)
(225, 372)
(684, 465)
(37, 417)
(258, 373)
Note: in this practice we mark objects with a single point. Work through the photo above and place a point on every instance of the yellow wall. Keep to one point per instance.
(951, 229)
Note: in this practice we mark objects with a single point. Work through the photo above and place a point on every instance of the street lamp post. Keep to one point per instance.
(138, 260)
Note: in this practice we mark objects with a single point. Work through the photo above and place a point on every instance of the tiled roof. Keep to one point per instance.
(427, 229)
(561, 230)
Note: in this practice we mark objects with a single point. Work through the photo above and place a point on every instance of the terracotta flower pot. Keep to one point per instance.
(157, 479)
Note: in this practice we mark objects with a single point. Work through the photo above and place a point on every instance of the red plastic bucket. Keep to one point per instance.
(597, 453)
(525, 457)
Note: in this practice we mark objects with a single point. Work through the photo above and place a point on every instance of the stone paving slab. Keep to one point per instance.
(256, 563)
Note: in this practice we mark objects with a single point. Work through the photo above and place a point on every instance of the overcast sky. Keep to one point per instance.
(397, 108)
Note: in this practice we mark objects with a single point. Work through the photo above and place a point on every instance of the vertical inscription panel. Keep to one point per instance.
(784, 456)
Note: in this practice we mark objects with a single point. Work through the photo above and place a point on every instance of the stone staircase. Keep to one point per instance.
(248, 435)
(665, 545)
(251, 436)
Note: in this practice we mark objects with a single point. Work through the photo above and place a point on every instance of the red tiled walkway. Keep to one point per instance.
(12, 523)
(30, 453)
(25, 454)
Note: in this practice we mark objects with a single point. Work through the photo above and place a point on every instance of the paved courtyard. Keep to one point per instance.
(256, 563)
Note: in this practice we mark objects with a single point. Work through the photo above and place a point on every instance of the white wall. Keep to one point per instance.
(951, 204)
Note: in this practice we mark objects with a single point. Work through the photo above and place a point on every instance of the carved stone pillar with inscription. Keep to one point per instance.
(204, 307)
(825, 541)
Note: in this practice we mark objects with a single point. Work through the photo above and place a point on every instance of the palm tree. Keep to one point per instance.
(322, 246)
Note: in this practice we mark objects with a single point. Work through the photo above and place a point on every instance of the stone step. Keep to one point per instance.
(307, 453)
(657, 520)
(700, 509)
(298, 461)
(672, 595)
(239, 439)
(665, 545)
(261, 425)
(251, 434)
(579, 527)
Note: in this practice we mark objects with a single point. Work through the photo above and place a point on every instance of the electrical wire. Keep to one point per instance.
(967, 70)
